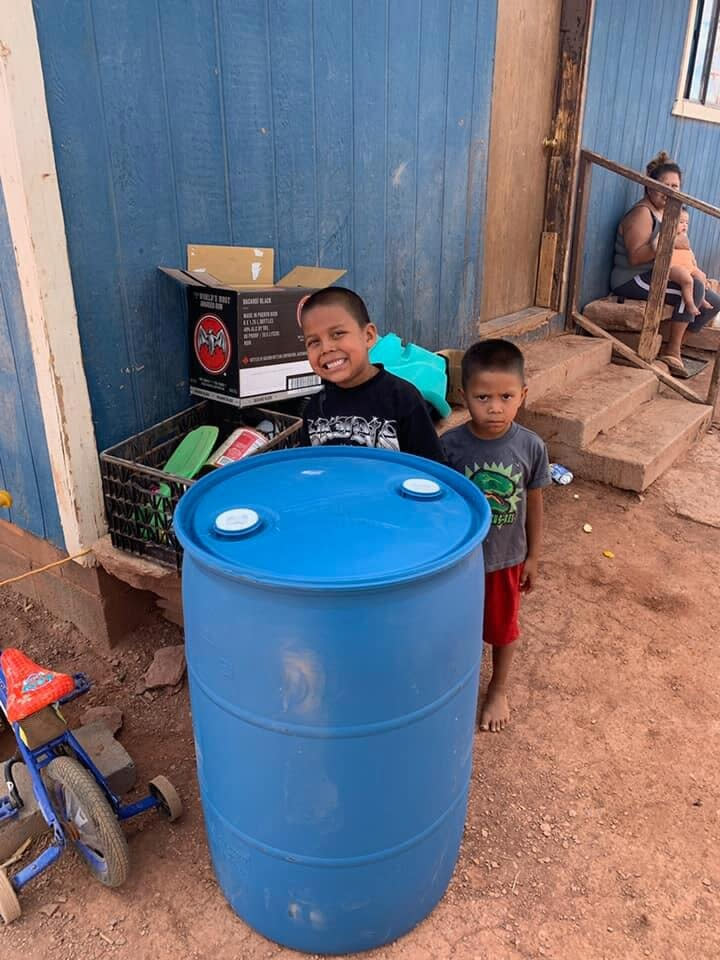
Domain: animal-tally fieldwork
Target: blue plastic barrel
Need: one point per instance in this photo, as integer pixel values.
(333, 616)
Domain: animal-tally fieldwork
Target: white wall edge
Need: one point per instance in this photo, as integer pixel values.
(696, 111)
(37, 227)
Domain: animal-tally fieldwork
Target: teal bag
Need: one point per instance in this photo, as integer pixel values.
(425, 370)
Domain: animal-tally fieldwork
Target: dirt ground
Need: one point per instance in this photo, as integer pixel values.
(594, 820)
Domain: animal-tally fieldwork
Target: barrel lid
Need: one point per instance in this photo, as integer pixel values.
(336, 517)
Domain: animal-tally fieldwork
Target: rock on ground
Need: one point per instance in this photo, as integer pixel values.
(110, 716)
(167, 668)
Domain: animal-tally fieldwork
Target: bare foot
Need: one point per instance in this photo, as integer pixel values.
(706, 305)
(691, 308)
(495, 713)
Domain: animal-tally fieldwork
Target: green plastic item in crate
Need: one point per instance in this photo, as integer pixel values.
(191, 455)
(187, 460)
(424, 369)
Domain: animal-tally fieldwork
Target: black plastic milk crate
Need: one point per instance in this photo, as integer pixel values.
(140, 512)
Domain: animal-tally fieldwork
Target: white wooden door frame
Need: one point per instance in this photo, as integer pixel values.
(37, 227)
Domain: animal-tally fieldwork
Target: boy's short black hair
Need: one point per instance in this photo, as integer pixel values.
(338, 297)
(500, 355)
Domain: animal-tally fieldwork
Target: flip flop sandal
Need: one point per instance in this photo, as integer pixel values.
(677, 368)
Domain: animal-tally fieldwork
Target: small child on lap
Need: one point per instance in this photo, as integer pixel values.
(510, 465)
(683, 266)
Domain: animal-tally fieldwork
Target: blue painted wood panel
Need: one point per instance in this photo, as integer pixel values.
(635, 62)
(345, 133)
(24, 461)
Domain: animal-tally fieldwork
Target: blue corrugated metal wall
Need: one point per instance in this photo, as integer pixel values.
(342, 133)
(24, 463)
(635, 65)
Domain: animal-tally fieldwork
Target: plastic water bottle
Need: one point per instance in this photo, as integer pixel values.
(560, 474)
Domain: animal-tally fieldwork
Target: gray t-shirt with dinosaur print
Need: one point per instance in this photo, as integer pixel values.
(504, 469)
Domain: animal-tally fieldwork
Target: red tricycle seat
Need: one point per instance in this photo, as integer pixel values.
(30, 687)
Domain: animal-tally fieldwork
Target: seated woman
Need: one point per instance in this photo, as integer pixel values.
(635, 249)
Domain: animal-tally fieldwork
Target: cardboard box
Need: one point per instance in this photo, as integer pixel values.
(454, 371)
(246, 345)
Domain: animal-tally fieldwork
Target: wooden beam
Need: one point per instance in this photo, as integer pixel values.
(644, 181)
(575, 22)
(714, 388)
(624, 351)
(579, 231)
(546, 269)
(659, 282)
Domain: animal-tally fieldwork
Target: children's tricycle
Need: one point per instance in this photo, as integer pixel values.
(73, 796)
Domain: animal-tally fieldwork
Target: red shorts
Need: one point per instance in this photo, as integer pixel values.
(502, 605)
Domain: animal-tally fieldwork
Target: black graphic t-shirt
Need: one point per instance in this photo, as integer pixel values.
(385, 412)
(504, 469)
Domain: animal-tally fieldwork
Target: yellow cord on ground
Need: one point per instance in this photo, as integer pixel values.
(48, 566)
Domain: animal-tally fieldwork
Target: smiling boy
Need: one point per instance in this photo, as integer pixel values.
(361, 404)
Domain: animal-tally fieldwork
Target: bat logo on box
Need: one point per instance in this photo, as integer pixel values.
(212, 344)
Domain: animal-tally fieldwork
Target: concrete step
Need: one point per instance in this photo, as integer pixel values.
(635, 453)
(552, 364)
(632, 340)
(595, 404)
(628, 317)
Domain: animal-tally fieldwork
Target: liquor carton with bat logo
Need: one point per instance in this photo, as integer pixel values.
(246, 346)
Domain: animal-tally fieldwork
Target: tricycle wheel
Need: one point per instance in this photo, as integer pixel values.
(89, 820)
(167, 796)
(9, 903)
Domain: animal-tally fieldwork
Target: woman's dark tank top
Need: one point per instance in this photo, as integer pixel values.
(623, 270)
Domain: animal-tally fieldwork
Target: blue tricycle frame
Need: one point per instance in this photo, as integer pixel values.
(68, 820)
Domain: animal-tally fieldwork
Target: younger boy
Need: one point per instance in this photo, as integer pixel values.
(361, 404)
(510, 465)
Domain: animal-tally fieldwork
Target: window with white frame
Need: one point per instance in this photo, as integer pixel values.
(699, 90)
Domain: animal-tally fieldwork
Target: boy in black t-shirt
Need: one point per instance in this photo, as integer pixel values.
(361, 404)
